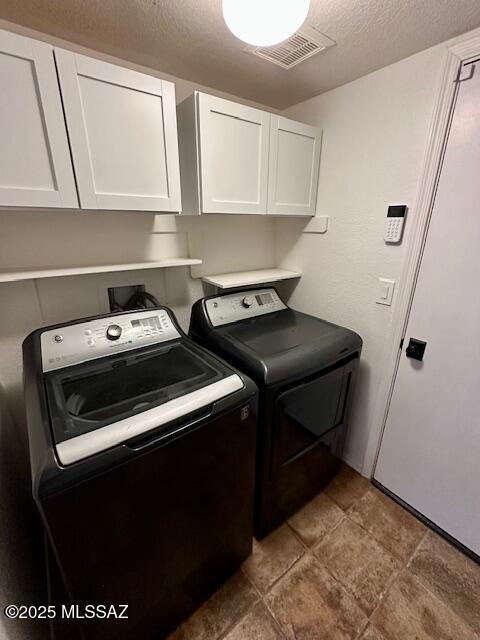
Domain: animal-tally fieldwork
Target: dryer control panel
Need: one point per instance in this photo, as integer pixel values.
(100, 337)
(243, 304)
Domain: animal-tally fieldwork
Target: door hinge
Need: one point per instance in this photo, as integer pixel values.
(401, 343)
(469, 69)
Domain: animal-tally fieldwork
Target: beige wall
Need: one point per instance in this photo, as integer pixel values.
(375, 133)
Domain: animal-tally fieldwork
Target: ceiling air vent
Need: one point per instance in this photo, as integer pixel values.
(302, 45)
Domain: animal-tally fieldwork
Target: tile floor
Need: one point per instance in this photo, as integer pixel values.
(351, 565)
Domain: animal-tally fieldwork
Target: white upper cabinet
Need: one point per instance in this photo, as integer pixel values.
(224, 156)
(293, 167)
(35, 164)
(123, 135)
(237, 159)
(234, 156)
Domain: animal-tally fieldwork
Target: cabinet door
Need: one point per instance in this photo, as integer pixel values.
(123, 133)
(233, 142)
(35, 165)
(293, 168)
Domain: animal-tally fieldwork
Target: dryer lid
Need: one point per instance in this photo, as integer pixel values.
(284, 345)
(281, 332)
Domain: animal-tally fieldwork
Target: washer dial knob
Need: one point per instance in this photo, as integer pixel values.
(247, 301)
(114, 331)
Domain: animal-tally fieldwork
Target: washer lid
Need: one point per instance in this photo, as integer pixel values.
(101, 403)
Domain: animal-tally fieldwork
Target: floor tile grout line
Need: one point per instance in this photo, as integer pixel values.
(405, 570)
(359, 636)
(297, 535)
(283, 573)
(432, 593)
(345, 482)
(258, 599)
(277, 580)
(272, 613)
(277, 624)
(306, 550)
(414, 552)
(234, 624)
(396, 577)
(327, 533)
(379, 599)
(402, 560)
(267, 593)
(310, 551)
(356, 500)
(250, 581)
(395, 574)
(338, 582)
(345, 516)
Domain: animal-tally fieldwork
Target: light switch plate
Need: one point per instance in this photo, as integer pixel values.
(386, 288)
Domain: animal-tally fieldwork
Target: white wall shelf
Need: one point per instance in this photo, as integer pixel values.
(32, 273)
(248, 278)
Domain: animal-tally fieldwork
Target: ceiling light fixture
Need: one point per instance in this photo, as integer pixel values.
(264, 23)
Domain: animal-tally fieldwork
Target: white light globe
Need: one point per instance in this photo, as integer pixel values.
(264, 23)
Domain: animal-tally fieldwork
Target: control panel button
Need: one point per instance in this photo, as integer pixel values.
(247, 301)
(114, 331)
(240, 305)
(71, 344)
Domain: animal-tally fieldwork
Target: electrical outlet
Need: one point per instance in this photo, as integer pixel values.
(119, 296)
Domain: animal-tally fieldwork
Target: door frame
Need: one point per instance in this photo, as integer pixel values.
(459, 51)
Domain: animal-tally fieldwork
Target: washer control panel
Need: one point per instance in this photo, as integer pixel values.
(84, 341)
(241, 305)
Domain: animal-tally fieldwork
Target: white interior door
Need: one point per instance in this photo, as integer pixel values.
(123, 133)
(293, 167)
(233, 156)
(35, 165)
(430, 451)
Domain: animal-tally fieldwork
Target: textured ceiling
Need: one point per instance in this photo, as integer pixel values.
(188, 39)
